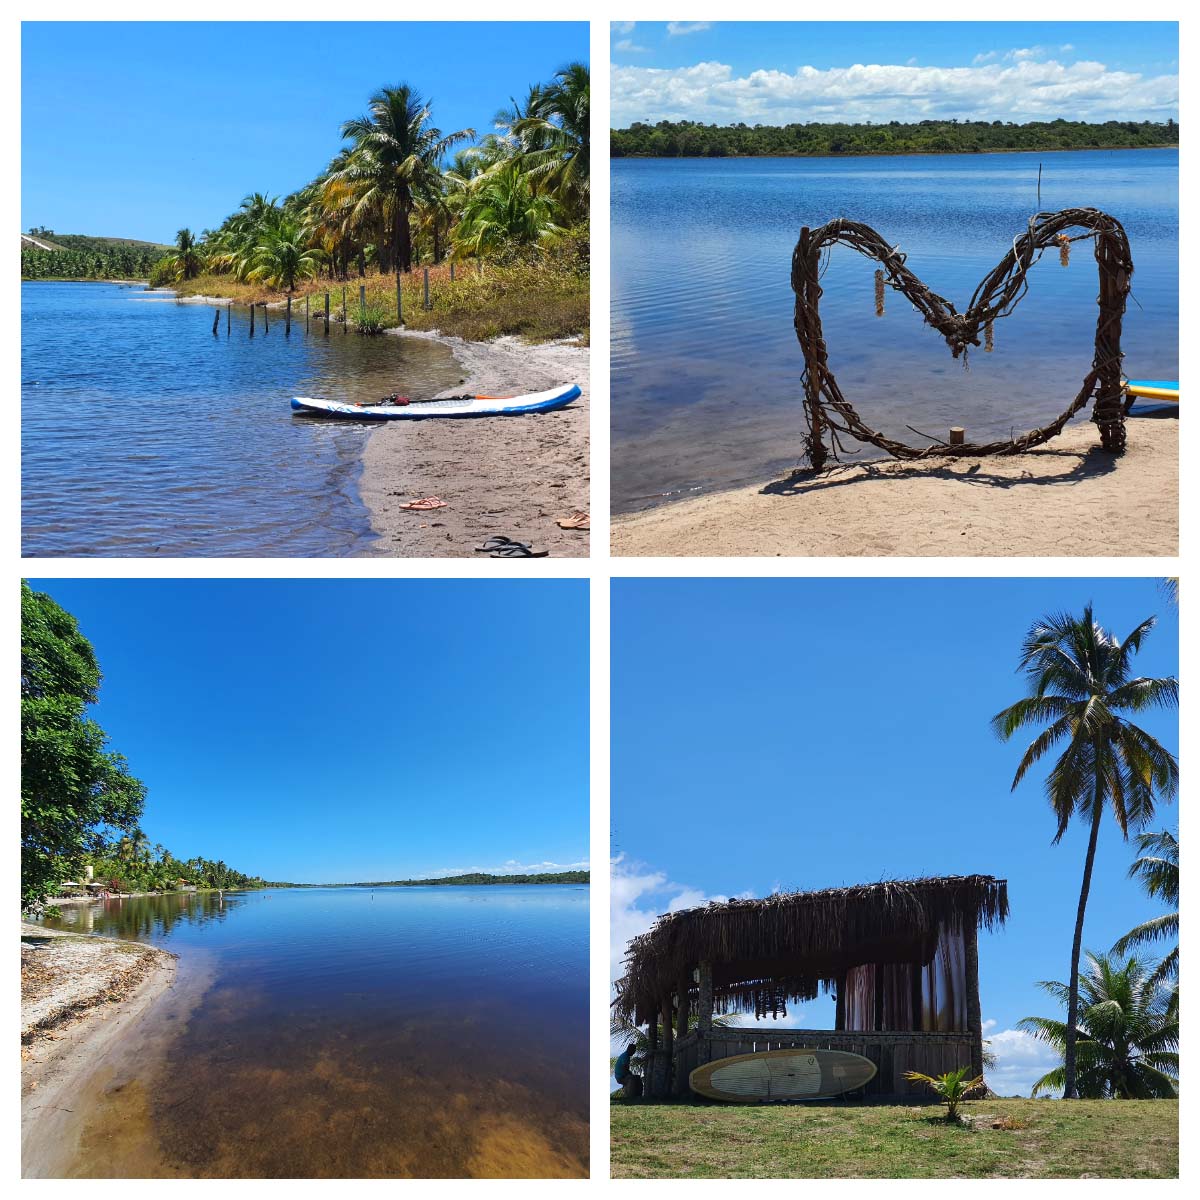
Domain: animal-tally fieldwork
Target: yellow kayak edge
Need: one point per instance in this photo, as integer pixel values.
(1168, 395)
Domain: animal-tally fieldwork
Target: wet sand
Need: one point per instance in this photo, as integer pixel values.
(514, 476)
(83, 1000)
(1067, 498)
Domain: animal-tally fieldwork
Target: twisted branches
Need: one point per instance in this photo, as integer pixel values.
(831, 415)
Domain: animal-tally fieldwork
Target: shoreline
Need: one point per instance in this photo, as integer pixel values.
(907, 153)
(514, 476)
(1064, 498)
(72, 1035)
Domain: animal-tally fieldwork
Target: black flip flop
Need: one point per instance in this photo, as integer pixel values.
(495, 543)
(518, 550)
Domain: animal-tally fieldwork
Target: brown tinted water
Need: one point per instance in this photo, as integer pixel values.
(348, 1033)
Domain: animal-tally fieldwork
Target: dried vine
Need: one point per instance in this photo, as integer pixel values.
(830, 414)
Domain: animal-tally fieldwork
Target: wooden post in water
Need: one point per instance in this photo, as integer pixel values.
(326, 314)
(344, 322)
(251, 320)
(287, 320)
(958, 435)
(228, 310)
(399, 302)
(362, 301)
(307, 317)
(428, 306)
(216, 321)
(266, 319)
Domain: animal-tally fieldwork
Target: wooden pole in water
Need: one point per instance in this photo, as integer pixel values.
(251, 320)
(362, 301)
(343, 308)
(326, 314)
(216, 321)
(307, 316)
(287, 320)
(266, 319)
(958, 435)
(428, 306)
(399, 302)
(228, 310)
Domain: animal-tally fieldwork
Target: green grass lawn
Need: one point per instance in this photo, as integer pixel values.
(1034, 1139)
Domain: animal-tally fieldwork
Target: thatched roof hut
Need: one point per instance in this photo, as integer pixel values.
(900, 956)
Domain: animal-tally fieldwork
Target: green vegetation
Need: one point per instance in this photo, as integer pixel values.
(77, 256)
(75, 792)
(474, 879)
(509, 214)
(1157, 869)
(1128, 1036)
(998, 1139)
(1080, 682)
(688, 139)
(131, 864)
(952, 1088)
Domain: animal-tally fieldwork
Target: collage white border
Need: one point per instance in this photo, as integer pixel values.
(599, 569)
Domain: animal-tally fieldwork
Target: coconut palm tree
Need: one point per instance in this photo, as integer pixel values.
(556, 137)
(1081, 683)
(283, 257)
(501, 207)
(1157, 869)
(186, 262)
(395, 152)
(1127, 1043)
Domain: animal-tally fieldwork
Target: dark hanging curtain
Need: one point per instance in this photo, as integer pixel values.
(907, 996)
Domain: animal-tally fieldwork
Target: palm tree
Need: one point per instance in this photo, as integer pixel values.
(395, 153)
(1157, 869)
(1128, 1037)
(500, 207)
(556, 137)
(283, 256)
(951, 1087)
(186, 262)
(1080, 683)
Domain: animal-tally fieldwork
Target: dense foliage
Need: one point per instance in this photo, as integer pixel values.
(131, 864)
(393, 197)
(475, 878)
(90, 258)
(75, 792)
(688, 139)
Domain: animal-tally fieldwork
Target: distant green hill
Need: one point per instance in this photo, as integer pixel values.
(49, 255)
(86, 241)
(476, 879)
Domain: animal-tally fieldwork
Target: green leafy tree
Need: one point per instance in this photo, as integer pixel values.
(1157, 869)
(951, 1087)
(75, 792)
(282, 257)
(1127, 1041)
(186, 262)
(555, 133)
(396, 151)
(1081, 682)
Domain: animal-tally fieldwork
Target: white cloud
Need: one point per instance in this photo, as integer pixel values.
(629, 46)
(624, 26)
(1021, 1060)
(509, 867)
(1018, 89)
(679, 28)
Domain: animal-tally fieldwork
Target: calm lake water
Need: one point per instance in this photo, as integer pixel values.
(145, 434)
(347, 1032)
(705, 364)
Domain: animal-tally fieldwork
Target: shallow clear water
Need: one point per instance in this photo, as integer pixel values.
(344, 1032)
(705, 364)
(145, 434)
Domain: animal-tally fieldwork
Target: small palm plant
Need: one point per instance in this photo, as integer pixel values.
(952, 1087)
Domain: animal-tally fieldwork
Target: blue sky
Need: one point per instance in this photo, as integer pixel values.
(136, 129)
(779, 72)
(336, 731)
(799, 734)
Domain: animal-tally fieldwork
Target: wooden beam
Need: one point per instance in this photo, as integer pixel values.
(839, 1020)
(974, 1013)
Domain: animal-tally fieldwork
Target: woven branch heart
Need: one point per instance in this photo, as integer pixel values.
(830, 413)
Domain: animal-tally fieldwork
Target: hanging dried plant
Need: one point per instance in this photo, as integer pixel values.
(879, 293)
(988, 337)
(1064, 250)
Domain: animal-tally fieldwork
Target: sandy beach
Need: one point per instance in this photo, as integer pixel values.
(1066, 498)
(81, 998)
(514, 476)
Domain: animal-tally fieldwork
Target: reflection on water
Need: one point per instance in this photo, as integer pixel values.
(348, 1032)
(705, 364)
(143, 433)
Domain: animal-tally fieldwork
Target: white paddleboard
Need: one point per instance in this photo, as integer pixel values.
(419, 410)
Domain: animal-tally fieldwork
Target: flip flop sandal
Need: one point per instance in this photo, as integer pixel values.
(424, 504)
(494, 543)
(577, 520)
(518, 550)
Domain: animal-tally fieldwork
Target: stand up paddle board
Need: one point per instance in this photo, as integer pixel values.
(782, 1075)
(454, 406)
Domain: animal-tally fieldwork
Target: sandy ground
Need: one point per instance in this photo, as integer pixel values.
(1067, 498)
(80, 997)
(513, 476)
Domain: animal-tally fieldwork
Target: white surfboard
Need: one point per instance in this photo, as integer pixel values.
(458, 406)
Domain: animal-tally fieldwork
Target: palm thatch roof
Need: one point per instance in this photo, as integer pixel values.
(787, 946)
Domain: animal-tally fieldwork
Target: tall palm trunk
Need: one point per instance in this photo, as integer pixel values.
(402, 235)
(1070, 1090)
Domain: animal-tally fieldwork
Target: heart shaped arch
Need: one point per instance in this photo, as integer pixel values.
(830, 413)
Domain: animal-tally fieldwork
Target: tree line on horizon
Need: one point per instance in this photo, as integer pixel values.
(693, 139)
(473, 879)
